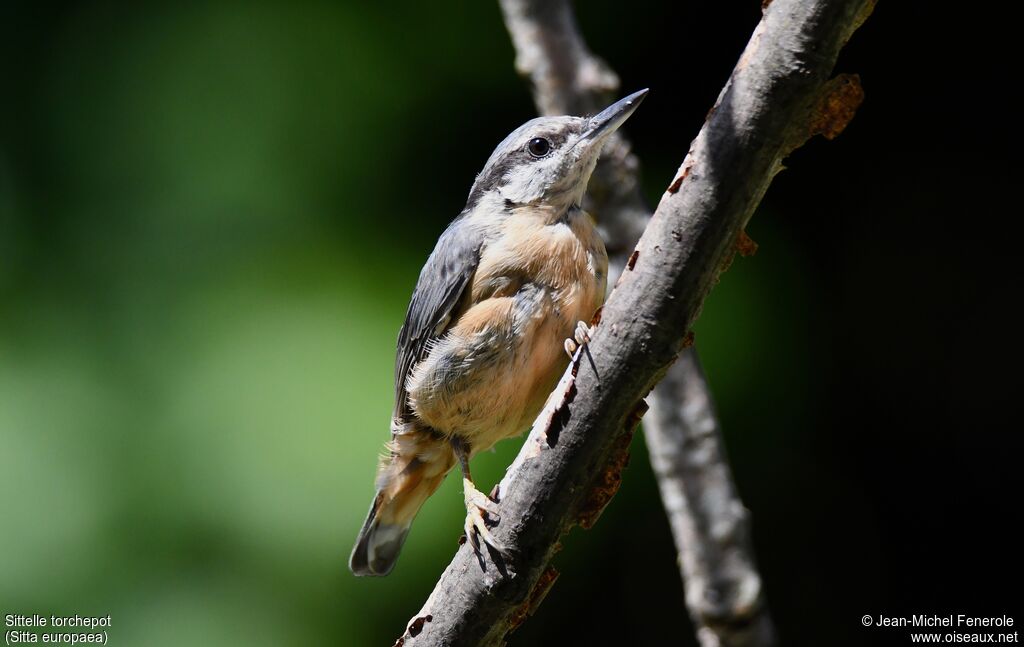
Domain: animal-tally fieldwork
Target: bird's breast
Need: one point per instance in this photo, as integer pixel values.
(564, 255)
(488, 378)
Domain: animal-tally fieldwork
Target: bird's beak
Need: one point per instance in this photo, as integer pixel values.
(608, 120)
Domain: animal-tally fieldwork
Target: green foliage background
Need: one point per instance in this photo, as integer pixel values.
(211, 218)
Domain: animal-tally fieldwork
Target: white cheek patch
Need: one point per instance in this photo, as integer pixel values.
(561, 177)
(528, 182)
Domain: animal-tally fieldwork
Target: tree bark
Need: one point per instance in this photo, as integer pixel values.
(710, 525)
(571, 462)
(723, 587)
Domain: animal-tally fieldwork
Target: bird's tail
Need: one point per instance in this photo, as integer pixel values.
(416, 465)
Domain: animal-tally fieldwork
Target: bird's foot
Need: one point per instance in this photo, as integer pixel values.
(581, 338)
(477, 503)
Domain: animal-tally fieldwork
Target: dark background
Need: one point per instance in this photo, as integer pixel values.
(212, 215)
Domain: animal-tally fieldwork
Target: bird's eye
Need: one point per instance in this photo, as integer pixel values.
(539, 147)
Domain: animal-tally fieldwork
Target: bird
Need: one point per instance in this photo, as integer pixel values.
(500, 300)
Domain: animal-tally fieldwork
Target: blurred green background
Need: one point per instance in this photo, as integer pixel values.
(211, 218)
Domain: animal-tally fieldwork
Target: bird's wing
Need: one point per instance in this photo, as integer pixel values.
(442, 282)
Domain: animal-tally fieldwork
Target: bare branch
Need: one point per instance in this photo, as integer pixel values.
(709, 523)
(723, 588)
(569, 467)
(567, 78)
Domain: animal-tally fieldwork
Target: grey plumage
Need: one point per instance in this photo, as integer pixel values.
(510, 153)
(482, 342)
(441, 284)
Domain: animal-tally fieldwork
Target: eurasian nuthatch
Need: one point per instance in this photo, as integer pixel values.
(493, 312)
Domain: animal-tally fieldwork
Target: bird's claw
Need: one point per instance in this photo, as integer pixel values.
(581, 337)
(477, 503)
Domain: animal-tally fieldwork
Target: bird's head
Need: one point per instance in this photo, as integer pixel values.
(548, 161)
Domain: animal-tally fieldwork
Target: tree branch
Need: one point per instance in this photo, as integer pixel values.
(684, 440)
(709, 523)
(570, 464)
